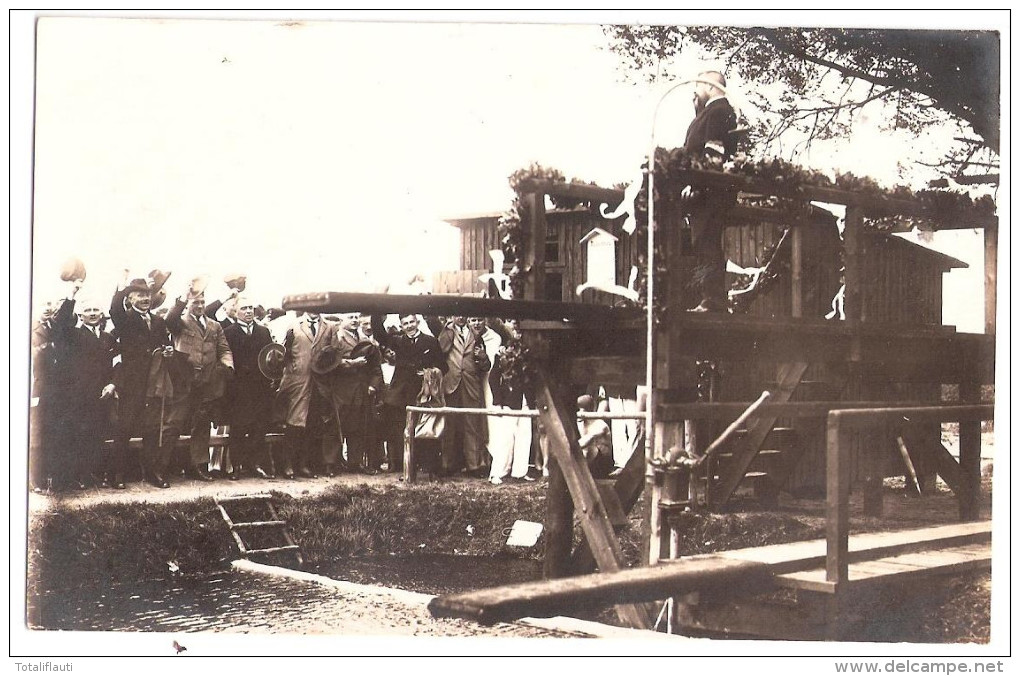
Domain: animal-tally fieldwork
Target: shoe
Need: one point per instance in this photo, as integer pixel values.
(119, 485)
(261, 473)
(199, 472)
(707, 306)
(234, 476)
(495, 481)
(370, 471)
(288, 474)
(307, 473)
(158, 481)
(330, 471)
(527, 479)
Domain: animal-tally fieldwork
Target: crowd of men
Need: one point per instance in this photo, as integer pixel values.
(338, 387)
(334, 390)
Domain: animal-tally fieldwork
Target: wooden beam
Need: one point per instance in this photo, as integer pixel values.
(970, 458)
(561, 433)
(588, 592)
(797, 273)
(789, 409)
(878, 206)
(628, 487)
(991, 274)
(581, 191)
(947, 467)
(468, 306)
(535, 230)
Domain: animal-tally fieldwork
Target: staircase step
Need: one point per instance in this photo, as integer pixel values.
(764, 452)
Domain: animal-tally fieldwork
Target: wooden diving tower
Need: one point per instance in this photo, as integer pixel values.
(584, 342)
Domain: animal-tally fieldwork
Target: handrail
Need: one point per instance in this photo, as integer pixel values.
(837, 469)
(410, 471)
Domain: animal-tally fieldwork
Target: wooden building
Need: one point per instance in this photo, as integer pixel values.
(904, 283)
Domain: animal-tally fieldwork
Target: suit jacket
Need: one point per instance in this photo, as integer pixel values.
(298, 381)
(87, 360)
(463, 362)
(202, 353)
(250, 394)
(136, 342)
(412, 355)
(710, 132)
(349, 384)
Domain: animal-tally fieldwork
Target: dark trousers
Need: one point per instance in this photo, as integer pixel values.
(708, 221)
(356, 423)
(248, 447)
(392, 420)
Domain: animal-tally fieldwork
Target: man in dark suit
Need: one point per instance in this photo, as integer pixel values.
(711, 134)
(144, 345)
(413, 350)
(87, 357)
(43, 416)
(249, 396)
(353, 386)
(201, 367)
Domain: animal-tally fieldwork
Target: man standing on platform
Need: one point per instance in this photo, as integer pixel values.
(711, 134)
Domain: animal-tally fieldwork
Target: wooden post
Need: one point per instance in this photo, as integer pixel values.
(837, 501)
(534, 247)
(559, 523)
(410, 471)
(797, 272)
(871, 447)
(991, 267)
(970, 457)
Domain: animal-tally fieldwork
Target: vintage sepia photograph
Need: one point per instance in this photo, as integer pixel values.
(439, 333)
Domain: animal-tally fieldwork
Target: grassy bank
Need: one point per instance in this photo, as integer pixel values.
(110, 543)
(113, 543)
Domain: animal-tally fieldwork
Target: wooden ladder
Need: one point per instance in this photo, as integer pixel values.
(272, 524)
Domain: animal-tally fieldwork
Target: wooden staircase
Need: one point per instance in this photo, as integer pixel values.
(257, 528)
(767, 471)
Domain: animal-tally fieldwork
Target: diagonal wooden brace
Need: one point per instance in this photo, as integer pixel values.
(561, 430)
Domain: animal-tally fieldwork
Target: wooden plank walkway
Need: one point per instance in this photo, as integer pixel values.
(883, 557)
(961, 559)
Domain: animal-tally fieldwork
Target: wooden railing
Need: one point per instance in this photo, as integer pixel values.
(837, 492)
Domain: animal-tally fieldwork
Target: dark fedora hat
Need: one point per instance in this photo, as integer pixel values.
(364, 348)
(326, 360)
(271, 359)
(138, 284)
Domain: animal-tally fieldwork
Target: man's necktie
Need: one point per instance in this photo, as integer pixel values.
(313, 325)
(148, 320)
